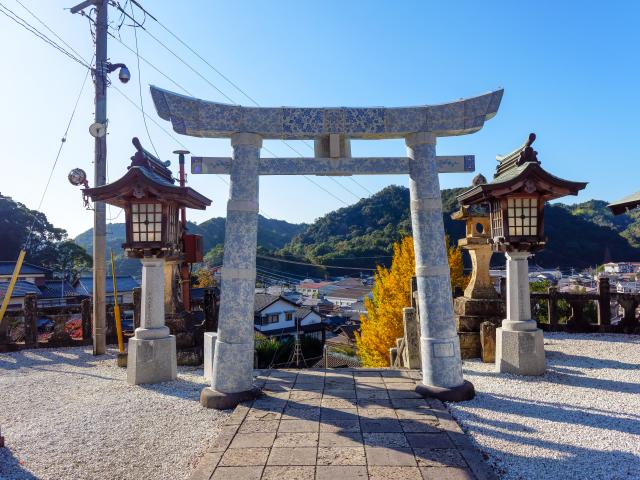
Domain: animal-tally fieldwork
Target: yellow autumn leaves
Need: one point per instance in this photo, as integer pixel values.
(391, 293)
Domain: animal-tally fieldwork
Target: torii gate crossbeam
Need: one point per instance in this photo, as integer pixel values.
(331, 129)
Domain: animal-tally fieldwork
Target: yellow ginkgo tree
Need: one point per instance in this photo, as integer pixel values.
(382, 325)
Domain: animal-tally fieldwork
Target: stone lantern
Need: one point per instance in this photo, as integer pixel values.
(154, 234)
(516, 197)
(480, 303)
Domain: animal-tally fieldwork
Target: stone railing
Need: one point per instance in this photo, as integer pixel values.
(548, 309)
(72, 325)
(579, 317)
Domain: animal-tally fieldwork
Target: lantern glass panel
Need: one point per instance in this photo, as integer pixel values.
(496, 219)
(523, 218)
(146, 222)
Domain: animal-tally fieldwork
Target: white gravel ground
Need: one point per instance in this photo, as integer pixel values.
(581, 420)
(68, 415)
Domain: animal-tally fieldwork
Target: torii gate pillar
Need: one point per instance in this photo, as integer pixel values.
(440, 346)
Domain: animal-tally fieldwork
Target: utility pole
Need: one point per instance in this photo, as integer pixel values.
(99, 131)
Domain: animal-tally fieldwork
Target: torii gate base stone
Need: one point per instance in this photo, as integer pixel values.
(331, 129)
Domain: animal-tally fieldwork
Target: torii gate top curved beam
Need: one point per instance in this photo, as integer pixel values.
(201, 118)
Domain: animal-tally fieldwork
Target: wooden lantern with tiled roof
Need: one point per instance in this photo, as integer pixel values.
(152, 202)
(516, 198)
(155, 235)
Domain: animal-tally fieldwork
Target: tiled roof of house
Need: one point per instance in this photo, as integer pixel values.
(20, 289)
(58, 289)
(7, 267)
(125, 283)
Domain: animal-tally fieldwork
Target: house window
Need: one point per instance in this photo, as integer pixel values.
(273, 318)
(496, 219)
(146, 222)
(288, 316)
(523, 216)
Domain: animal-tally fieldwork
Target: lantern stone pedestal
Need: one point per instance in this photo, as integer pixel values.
(519, 342)
(480, 302)
(152, 351)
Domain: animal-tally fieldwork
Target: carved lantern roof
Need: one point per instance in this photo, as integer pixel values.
(625, 204)
(520, 172)
(147, 177)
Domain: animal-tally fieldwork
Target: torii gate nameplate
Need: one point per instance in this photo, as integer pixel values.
(331, 129)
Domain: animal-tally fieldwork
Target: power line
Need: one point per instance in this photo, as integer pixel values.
(313, 264)
(144, 118)
(30, 28)
(220, 91)
(63, 140)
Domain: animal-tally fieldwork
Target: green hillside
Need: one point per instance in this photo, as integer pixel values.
(362, 235)
(577, 237)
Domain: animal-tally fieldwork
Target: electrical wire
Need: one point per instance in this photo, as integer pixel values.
(313, 264)
(30, 28)
(144, 118)
(63, 141)
(317, 184)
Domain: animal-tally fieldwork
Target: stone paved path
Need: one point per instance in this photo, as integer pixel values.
(341, 424)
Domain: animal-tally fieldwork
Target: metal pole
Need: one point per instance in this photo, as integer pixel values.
(100, 218)
(185, 275)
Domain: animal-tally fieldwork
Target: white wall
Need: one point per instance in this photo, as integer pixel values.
(280, 308)
(311, 319)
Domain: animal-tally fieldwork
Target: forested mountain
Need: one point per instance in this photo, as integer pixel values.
(46, 245)
(578, 236)
(272, 235)
(596, 211)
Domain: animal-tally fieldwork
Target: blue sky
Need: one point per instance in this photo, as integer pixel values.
(569, 70)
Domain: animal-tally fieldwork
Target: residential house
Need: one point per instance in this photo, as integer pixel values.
(125, 284)
(313, 289)
(275, 316)
(28, 272)
(49, 292)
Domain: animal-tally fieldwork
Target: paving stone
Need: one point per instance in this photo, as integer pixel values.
(329, 402)
(340, 439)
(402, 394)
(333, 472)
(366, 403)
(338, 414)
(237, 473)
(264, 415)
(419, 413)
(394, 473)
(380, 425)
(448, 457)
(382, 456)
(238, 457)
(292, 456)
(339, 393)
(259, 426)
(372, 394)
(288, 473)
(304, 402)
(224, 438)
(429, 440)
(446, 473)
(388, 413)
(341, 456)
(248, 440)
(296, 440)
(238, 415)
(304, 395)
(298, 426)
(206, 465)
(310, 413)
(409, 403)
(415, 425)
(340, 426)
(390, 440)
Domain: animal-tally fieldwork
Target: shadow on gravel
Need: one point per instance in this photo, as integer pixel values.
(10, 467)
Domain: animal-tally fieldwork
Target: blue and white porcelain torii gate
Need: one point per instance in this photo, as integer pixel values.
(331, 129)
